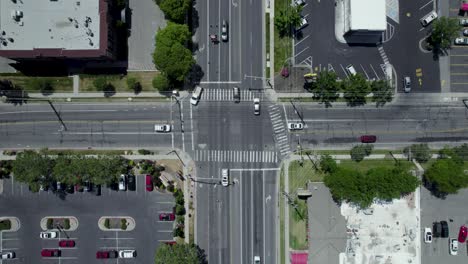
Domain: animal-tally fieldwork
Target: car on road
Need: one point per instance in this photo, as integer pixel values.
(256, 106)
(48, 234)
(106, 254)
(304, 23)
(236, 94)
(407, 84)
(127, 253)
(453, 246)
(162, 128)
(368, 139)
(298, 3)
(123, 182)
(427, 19)
(462, 234)
(437, 229)
(7, 255)
(166, 217)
(149, 183)
(427, 235)
(131, 182)
(295, 126)
(461, 41)
(224, 31)
(445, 229)
(257, 260)
(48, 253)
(225, 177)
(66, 243)
(464, 22)
(196, 95)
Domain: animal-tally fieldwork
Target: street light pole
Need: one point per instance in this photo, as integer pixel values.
(297, 111)
(58, 115)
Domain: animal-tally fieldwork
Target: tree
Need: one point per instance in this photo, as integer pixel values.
(359, 152)
(328, 164)
(30, 166)
(170, 55)
(444, 31)
(445, 176)
(326, 88)
(382, 92)
(62, 171)
(420, 152)
(161, 83)
(175, 10)
(355, 90)
(462, 151)
(287, 20)
(134, 84)
(180, 253)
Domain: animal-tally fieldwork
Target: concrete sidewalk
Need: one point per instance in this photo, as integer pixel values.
(102, 95)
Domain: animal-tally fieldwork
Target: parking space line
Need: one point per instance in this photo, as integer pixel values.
(301, 40)
(364, 72)
(378, 78)
(428, 3)
(301, 52)
(164, 231)
(344, 71)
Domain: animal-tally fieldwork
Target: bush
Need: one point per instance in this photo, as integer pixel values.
(161, 83)
(180, 209)
(462, 151)
(179, 197)
(45, 86)
(171, 187)
(358, 153)
(107, 223)
(328, 164)
(66, 224)
(180, 219)
(134, 85)
(5, 224)
(50, 223)
(100, 83)
(179, 232)
(123, 224)
(144, 152)
(419, 152)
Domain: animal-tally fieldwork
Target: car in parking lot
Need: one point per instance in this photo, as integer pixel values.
(66, 243)
(464, 22)
(462, 234)
(368, 139)
(48, 253)
(166, 217)
(225, 177)
(453, 246)
(87, 186)
(407, 84)
(97, 189)
(465, 32)
(256, 106)
(162, 128)
(350, 69)
(131, 182)
(427, 235)
(427, 19)
(106, 254)
(445, 230)
(461, 41)
(298, 3)
(224, 31)
(48, 234)
(304, 23)
(236, 93)
(7, 255)
(127, 253)
(149, 183)
(295, 126)
(437, 229)
(123, 182)
(170, 243)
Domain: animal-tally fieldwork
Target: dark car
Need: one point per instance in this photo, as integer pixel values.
(368, 139)
(166, 217)
(48, 253)
(236, 94)
(131, 182)
(445, 229)
(66, 243)
(149, 183)
(70, 189)
(106, 254)
(88, 186)
(78, 187)
(97, 189)
(436, 229)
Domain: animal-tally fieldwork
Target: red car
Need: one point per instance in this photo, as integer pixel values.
(149, 183)
(66, 243)
(368, 139)
(106, 254)
(462, 234)
(166, 217)
(170, 243)
(48, 253)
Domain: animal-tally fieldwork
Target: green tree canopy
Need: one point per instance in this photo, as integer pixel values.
(359, 152)
(175, 10)
(161, 83)
(355, 88)
(382, 91)
(30, 166)
(445, 176)
(419, 152)
(63, 171)
(326, 88)
(328, 164)
(180, 253)
(288, 19)
(444, 31)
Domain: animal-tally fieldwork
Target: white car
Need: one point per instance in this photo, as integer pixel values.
(427, 235)
(464, 22)
(256, 260)
(427, 19)
(123, 182)
(127, 253)
(461, 41)
(225, 177)
(298, 3)
(48, 234)
(256, 106)
(407, 84)
(224, 31)
(295, 126)
(303, 24)
(453, 246)
(196, 95)
(162, 128)
(7, 255)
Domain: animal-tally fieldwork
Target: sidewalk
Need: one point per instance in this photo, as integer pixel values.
(101, 95)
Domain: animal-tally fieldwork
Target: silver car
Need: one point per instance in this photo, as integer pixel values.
(7, 255)
(224, 31)
(162, 128)
(256, 106)
(225, 177)
(407, 84)
(295, 126)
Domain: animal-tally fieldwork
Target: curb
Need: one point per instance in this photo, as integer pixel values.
(15, 223)
(73, 222)
(131, 223)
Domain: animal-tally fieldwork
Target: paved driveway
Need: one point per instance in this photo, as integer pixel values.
(146, 18)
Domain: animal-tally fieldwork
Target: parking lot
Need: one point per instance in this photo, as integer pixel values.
(453, 210)
(144, 207)
(458, 55)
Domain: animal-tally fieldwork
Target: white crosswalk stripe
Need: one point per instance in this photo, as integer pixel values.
(281, 135)
(228, 95)
(236, 156)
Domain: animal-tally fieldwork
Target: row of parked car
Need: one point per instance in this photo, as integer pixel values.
(441, 229)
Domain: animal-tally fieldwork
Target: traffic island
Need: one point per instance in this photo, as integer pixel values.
(116, 223)
(68, 223)
(9, 224)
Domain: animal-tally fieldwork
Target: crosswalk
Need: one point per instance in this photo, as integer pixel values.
(240, 156)
(227, 95)
(281, 135)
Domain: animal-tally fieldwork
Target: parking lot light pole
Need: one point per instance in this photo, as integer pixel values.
(60, 229)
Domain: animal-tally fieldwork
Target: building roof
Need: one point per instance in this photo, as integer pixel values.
(367, 15)
(49, 24)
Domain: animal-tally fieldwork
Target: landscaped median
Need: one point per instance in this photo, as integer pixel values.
(116, 223)
(67, 223)
(9, 224)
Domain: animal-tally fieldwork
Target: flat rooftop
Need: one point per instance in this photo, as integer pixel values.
(49, 24)
(368, 15)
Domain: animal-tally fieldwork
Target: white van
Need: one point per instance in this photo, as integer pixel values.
(351, 70)
(427, 19)
(196, 95)
(225, 177)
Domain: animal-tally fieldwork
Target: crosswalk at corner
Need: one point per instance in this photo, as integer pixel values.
(241, 156)
(228, 95)
(281, 135)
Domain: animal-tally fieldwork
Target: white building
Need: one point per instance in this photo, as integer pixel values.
(365, 20)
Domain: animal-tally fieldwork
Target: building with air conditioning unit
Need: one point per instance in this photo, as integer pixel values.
(365, 20)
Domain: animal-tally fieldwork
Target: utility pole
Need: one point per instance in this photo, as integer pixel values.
(174, 94)
(299, 146)
(173, 151)
(297, 111)
(58, 115)
(465, 102)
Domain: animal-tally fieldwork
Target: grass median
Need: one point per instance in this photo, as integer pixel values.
(283, 45)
